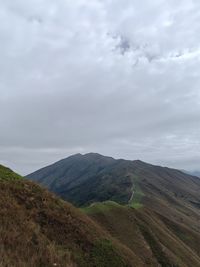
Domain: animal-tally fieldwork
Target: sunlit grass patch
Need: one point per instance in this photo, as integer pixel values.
(99, 207)
(136, 201)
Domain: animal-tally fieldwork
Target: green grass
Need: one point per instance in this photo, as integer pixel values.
(7, 175)
(106, 206)
(136, 205)
(100, 207)
(136, 201)
(104, 255)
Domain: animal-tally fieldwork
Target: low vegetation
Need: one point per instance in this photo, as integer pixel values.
(132, 214)
(38, 229)
(157, 240)
(99, 207)
(7, 174)
(137, 194)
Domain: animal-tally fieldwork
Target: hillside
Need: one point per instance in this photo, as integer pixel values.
(38, 229)
(84, 179)
(8, 174)
(157, 240)
(196, 173)
(152, 210)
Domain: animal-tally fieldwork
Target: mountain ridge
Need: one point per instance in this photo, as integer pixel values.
(162, 203)
(73, 175)
(147, 215)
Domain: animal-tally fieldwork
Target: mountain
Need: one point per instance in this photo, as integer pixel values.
(83, 179)
(39, 229)
(194, 173)
(89, 178)
(153, 211)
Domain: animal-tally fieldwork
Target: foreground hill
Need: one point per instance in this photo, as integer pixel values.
(154, 211)
(8, 174)
(38, 229)
(156, 239)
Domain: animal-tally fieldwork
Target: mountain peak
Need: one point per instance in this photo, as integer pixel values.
(93, 155)
(90, 155)
(92, 177)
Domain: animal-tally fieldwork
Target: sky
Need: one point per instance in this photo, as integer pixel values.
(120, 78)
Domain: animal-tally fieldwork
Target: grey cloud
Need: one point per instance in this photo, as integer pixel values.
(119, 78)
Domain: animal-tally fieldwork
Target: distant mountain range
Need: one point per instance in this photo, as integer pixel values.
(131, 214)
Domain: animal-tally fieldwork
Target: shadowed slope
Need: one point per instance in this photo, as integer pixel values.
(84, 179)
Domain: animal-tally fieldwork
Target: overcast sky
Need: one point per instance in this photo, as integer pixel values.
(121, 78)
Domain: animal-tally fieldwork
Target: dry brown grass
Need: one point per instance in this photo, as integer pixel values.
(37, 229)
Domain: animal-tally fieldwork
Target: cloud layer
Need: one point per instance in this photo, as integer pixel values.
(115, 77)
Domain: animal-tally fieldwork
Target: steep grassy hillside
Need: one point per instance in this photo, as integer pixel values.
(152, 210)
(38, 229)
(157, 240)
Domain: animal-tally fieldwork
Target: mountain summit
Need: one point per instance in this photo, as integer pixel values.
(89, 178)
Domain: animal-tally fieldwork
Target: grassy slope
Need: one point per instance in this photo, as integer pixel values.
(38, 229)
(8, 174)
(135, 200)
(163, 228)
(151, 236)
(85, 179)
